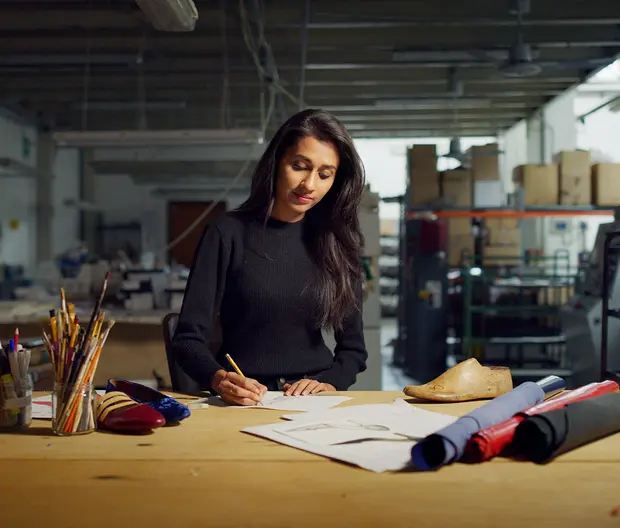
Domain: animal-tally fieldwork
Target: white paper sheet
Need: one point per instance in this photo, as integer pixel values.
(276, 400)
(42, 406)
(345, 412)
(392, 453)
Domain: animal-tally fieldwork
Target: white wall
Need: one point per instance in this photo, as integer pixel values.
(66, 186)
(561, 128)
(123, 201)
(514, 144)
(17, 195)
(599, 131)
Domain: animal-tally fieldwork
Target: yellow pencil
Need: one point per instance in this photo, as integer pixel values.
(234, 365)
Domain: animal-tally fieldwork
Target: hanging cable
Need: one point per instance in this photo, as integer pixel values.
(254, 47)
(227, 190)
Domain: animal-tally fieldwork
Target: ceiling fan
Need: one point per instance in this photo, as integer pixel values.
(519, 60)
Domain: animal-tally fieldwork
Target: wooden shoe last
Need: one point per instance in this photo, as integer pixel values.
(466, 381)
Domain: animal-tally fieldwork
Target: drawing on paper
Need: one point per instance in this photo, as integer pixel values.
(340, 425)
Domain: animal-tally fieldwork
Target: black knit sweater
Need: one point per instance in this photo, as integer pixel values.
(258, 277)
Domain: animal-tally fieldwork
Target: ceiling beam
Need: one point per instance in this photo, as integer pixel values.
(70, 39)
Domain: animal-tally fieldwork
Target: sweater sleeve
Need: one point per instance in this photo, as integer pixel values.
(350, 353)
(201, 304)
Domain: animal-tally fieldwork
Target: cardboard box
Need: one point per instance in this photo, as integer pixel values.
(606, 184)
(460, 246)
(459, 226)
(423, 177)
(423, 192)
(540, 183)
(485, 162)
(423, 157)
(456, 188)
(502, 232)
(574, 176)
(502, 255)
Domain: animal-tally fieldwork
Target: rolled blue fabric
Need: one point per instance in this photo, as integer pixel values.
(447, 445)
(552, 385)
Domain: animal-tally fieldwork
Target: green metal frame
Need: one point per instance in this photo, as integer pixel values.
(541, 272)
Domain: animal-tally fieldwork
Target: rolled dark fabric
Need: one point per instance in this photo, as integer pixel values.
(491, 441)
(543, 437)
(448, 444)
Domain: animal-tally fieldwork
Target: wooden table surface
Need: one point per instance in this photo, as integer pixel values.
(206, 473)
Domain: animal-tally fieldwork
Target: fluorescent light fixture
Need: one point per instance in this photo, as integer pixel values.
(432, 56)
(81, 205)
(156, 138)
(170, 15)
(422, 104)
(129, 105)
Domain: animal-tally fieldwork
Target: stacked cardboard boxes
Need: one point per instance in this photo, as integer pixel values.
(485, 162)
(571, 180)
(502, 242)
(456, 191)
(423, 184)
(574, 177)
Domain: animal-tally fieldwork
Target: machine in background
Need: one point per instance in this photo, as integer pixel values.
(582, 317)
(423, 299)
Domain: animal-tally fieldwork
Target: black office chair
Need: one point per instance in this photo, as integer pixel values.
(181, 382)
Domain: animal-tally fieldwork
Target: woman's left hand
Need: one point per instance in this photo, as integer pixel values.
(304, 387)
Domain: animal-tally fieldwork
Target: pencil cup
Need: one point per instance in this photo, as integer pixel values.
(15, 403)
(73, 409)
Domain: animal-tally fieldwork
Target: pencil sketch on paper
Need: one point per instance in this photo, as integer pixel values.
(339, 431)
(340, 425)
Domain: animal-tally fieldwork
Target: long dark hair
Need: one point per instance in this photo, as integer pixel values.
(335, 237)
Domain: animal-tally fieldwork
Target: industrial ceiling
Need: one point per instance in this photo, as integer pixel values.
(386, 68)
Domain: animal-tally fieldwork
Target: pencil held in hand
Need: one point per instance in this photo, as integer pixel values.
(234, 365)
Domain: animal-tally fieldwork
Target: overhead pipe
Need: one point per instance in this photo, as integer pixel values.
(462, 22)
(582, 117)
(304, 55)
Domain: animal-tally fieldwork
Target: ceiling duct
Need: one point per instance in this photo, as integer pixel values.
(155, 138)
(170, 15)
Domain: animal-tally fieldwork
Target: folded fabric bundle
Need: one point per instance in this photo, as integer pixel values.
(542, 437)
(491, 441)
(448, 444)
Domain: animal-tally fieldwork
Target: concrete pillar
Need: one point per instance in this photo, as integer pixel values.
(46, 151)
(88, 219)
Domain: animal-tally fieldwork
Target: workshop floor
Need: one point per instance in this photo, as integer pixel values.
(393, 378)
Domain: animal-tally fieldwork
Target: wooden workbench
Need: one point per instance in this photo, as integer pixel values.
(206, 473)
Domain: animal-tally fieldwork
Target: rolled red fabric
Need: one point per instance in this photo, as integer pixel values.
(491, 441)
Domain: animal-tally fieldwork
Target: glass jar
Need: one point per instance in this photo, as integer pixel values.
(15, 403)
(74, 409)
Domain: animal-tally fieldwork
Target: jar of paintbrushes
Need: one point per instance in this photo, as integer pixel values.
(15, 386)
(75, 353)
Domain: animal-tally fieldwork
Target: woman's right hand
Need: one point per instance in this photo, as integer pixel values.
(236, 389)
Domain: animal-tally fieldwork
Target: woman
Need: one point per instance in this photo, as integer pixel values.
(281, 268)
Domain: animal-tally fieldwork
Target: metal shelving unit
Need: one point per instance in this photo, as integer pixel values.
(517, 309)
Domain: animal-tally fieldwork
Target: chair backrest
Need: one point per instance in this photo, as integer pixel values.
(181, 382)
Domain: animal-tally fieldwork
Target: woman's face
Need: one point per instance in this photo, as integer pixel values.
(306, 174)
